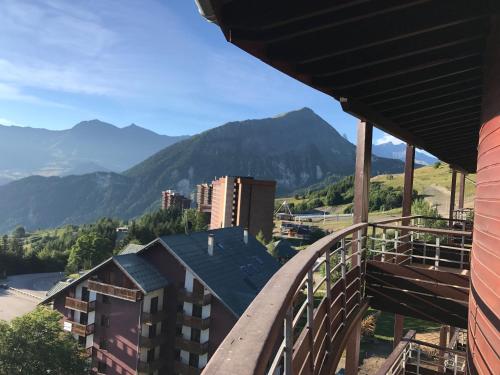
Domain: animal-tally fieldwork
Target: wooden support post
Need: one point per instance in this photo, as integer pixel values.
(360, 215)
(407, 201)
(452, 193)
(443, 342)
(461, 194)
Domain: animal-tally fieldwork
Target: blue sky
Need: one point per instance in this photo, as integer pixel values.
(158, 64)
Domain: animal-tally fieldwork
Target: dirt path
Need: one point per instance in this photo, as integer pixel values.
(440, 197)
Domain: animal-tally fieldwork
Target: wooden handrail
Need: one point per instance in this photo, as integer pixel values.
(248, 348)
(396, 353)
(438, 231)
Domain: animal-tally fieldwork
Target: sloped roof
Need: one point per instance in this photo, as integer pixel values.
(142, 273)
(235, 273)
(56, 288)
(131, 248)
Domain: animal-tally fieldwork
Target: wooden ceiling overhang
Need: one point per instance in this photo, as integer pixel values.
(414, 68)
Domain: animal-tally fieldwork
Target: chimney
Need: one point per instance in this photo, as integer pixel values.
(211, 240)
(245, 236)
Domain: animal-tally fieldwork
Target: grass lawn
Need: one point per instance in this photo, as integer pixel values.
(385, 325)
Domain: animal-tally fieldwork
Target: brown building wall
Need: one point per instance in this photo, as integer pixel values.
(122, 335)
(221, 323)
(222, 202)
(256, 206)
(484, 300)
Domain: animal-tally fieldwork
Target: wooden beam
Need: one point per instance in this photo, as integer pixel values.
(362, 176)
(452, 192)
(362, 173)
(460, 119)
(473, 105)
(461, 194)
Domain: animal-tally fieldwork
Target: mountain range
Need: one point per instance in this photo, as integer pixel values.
(297, 149)
(89, 146)
(398, 151)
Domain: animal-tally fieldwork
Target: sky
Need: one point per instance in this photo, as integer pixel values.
(157, 64)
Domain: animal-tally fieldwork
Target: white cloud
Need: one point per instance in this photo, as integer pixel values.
(388, 138)
(12, 93)
(8, 122)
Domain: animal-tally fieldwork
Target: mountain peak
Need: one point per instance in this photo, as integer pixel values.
(306, 111)
(93, 124)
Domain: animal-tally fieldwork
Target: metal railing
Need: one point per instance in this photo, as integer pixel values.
(420, 242)
(302, 317)
(415, 357)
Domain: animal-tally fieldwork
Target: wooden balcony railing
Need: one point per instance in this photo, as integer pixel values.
(196, 298)
(191, 346)
(82, 329)
(79, 305)
(133, 295)
(151, 342)
(393, 242)
(149, 367)
(409, 357)
(302, 318)
(185, 369)
(153, 318)
(193, 321)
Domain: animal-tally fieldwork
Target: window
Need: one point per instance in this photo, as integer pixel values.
(105, 299)
(152, 331)
(85, 294)
(197, 310)
(178, 330)
(151, 355)
(82, 340)
(154, 305)
(177, 355)
(84, 318)
(103, 344)
(105, 321)
(195, 334)
(194, 360)
(102, 367)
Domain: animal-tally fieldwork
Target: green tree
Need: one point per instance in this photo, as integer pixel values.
(89, 250)
(19, 232)
(35, 344)
(260, 237)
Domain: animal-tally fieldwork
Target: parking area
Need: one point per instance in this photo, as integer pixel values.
(24, 293)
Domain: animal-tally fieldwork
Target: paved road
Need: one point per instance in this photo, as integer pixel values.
(14, 304)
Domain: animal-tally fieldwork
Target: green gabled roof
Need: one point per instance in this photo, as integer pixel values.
(142, 273)
(235, 273)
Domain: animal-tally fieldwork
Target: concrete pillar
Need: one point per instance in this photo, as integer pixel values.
(360, 215)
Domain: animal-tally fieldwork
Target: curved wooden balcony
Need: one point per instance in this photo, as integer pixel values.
(302, 318)
(79, 329)
(153, 318)
(185, 369)
(151, 342)
(191, 346)
(145, 367)
(195, 298)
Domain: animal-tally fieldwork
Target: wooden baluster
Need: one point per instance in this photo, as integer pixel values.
(328, 285)
(383, 244)
(343, 273)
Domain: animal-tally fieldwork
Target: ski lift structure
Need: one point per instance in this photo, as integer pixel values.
(284, 212)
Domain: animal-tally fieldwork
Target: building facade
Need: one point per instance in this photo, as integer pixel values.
(204, 197)
(164, 308)
(245, 202)
(170, 198)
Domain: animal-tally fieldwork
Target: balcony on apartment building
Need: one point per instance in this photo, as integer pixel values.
(101, 287)
(186, 369)
(193, 321)
(191, 346)
(79, 329)
(152, 342)
(149, 367)
(151, 318)
(195, 297)
(79, 305)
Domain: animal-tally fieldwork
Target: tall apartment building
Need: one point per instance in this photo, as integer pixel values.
(164, 308)
(204, 197)
(245, 202)
(171, 198)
